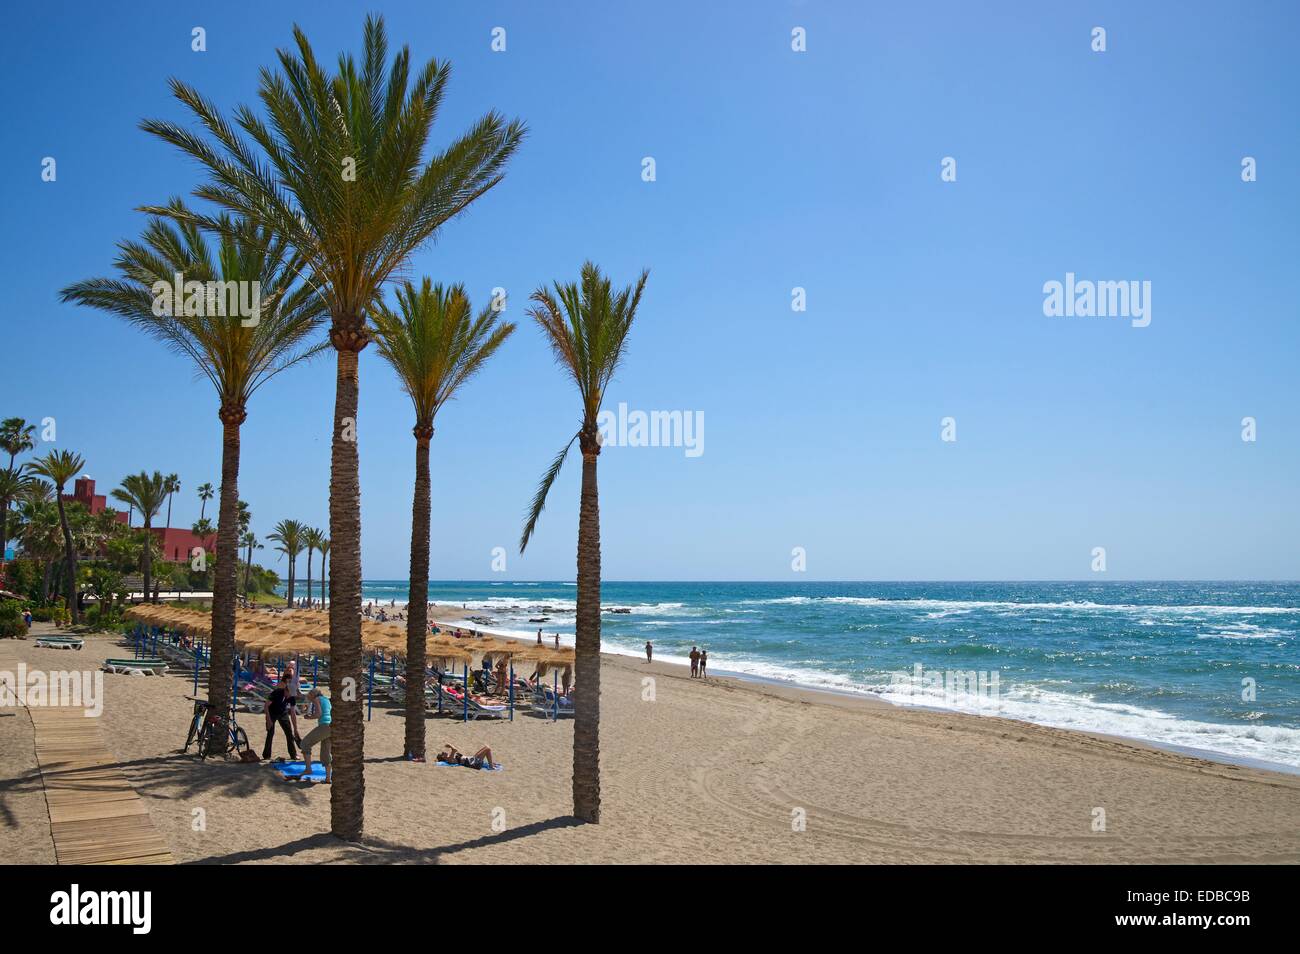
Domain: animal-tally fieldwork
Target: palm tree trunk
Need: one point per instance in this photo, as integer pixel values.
(417, 605)
(146, 563)
(169, 511)
(309, 577)
(220, 675)
(347, 794)
(45, 580)
(70, 561)
(586, 669)
(248, 566)
(322, 578)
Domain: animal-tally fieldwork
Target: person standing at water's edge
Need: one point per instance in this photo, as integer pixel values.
(695, 661)
(649, 651)
(704, 661)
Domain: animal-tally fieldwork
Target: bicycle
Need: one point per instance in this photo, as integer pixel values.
(205, 723)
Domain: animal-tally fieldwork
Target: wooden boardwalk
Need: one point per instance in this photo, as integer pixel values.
(96, 817)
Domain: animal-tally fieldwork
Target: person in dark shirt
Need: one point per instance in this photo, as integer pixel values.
(277, 710)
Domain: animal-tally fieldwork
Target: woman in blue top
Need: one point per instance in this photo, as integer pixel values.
(319, 706)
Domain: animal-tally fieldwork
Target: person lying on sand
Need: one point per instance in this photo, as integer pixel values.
(482, 759)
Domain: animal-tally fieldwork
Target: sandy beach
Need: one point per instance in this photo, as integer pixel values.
(716, 770)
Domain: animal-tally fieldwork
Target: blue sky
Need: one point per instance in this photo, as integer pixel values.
(775, 169)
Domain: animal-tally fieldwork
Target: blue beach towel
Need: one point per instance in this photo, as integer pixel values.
(286, 769)
(499, 767)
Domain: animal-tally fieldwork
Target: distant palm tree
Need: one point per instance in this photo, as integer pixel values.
(205, 494)
(249, 540)
(145, 492)
(59, 467)
(237, 354)
(586, 324)
(173, 485)
(342, 174)
(324, 548)
(435, 344)
(16, 437)
(39, 529)
(203, 529)
(289, 534)
(12, 484)
(311, 538)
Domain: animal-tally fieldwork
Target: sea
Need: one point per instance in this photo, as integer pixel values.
(1208, 668)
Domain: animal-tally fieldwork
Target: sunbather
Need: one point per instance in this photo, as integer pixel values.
(482, 759)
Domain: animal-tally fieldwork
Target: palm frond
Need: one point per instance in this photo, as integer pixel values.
(539, 497)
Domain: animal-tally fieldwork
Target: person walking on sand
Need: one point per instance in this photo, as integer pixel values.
(695, 662)
(649, 651)
(539, 637)
(318, 704)
(704, 661)
(277, 708)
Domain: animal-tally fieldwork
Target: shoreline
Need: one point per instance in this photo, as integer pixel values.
(876, 782)
(826, 696)
(452, 617)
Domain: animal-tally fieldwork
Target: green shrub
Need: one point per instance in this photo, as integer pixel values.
(11, 620)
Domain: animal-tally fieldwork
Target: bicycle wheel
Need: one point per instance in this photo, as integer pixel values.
(204, 733)
(196, 726)
(239, 738)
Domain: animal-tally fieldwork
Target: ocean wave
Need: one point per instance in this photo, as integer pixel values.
(1246, 631)
(1065, 710)
(1087, 605)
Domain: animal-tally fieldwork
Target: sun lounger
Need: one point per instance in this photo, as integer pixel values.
(545, 702)
(136, 667)
(60, 642)
(479, 710)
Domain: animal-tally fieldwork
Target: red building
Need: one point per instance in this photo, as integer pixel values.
(177, 544)
(83, 492)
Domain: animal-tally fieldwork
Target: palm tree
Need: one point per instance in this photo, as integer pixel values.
(39, 529)
(236, 355)
(59, 467)
(173, 485)
(324, 548)
(341, 174)
(248, 540)
(289, 534)
(435, 344)
(16, 437)
(586, 324)
(203, 529)
(12, 483)
(146, 493)
(205, 494)
(311, 538)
